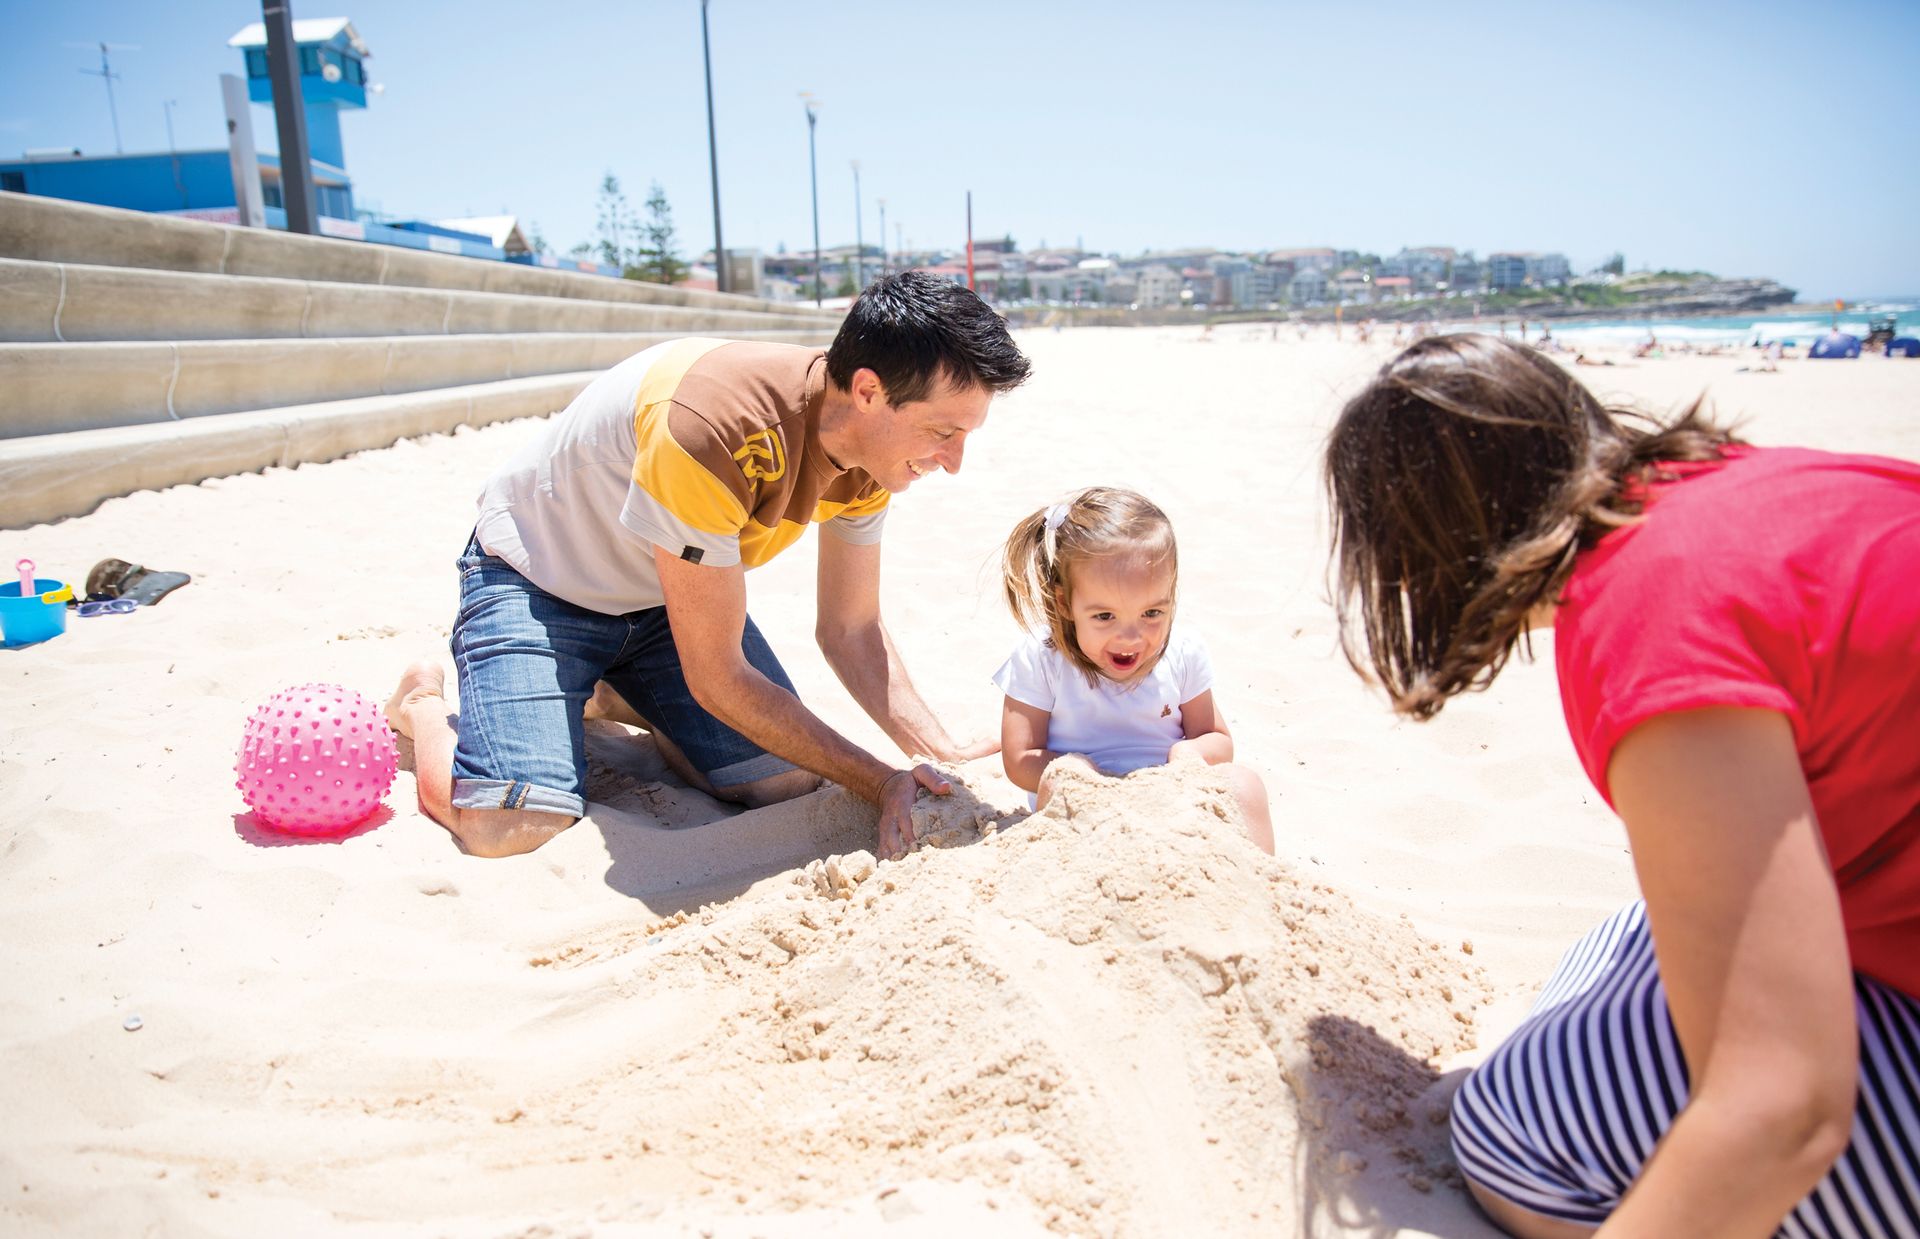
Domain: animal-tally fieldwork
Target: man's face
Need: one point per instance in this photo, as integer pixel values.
(905, 442)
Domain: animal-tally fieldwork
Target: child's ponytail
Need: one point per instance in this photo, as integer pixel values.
(1032, 586)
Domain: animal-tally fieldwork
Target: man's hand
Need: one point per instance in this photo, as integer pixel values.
(897, 795)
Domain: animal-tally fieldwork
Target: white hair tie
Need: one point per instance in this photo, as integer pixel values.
(1057, 515)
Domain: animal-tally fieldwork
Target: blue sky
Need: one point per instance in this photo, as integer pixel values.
(1750, 139)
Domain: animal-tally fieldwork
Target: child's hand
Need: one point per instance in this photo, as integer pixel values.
(1066, 764)
(1186, 750)
(1070, 761)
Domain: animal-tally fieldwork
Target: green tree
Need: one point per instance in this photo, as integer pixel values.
(846, 288)
(536, 240)
(617, 227)
(657, 258)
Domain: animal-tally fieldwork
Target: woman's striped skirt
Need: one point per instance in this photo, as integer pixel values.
(1560, 1118)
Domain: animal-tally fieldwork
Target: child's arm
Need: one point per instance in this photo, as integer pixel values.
(1206, 732)
(1023, 743)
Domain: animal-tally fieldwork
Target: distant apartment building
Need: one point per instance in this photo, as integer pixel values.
(1352, 286)
(1267, 285)
(1156, 286)
(1550, 269)
(1526, 269)
(1319, 259)
(1506, 271)
(1425, 267)
(1466, 273)
(1232, 281)
(1308, 286)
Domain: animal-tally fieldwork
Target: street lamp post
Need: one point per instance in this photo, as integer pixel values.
(720, 274)
(173, 154)
(290, 118)
(884, 263)
(813, 173)
(859, 244)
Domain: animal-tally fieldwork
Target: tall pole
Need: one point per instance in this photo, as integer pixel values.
(173, 155)
(722, 277)
(105, 72)
(969, 240)
(859, 244)
(290, 118)
(885, 265)
(813, 172)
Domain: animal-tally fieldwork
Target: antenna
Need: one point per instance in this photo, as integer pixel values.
(106, 73)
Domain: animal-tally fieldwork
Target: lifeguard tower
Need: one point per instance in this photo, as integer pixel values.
(333, 79)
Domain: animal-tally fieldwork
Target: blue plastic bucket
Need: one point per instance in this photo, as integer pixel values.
(24, 621)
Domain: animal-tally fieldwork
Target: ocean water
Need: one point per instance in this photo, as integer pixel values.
(1801, 325)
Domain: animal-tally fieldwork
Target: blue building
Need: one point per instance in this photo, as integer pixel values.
(333, 80)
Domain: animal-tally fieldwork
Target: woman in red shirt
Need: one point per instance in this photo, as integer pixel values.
(1738, 650)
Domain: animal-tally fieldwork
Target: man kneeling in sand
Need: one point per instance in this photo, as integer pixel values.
(614, 547)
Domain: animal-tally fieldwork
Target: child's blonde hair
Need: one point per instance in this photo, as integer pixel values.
(1100, 522)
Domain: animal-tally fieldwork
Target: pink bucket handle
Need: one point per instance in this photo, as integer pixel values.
(25, 569)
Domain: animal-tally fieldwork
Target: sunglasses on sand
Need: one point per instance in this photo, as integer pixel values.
(107, 606)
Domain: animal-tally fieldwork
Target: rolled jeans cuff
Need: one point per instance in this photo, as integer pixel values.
(752, 770)
(509, 794)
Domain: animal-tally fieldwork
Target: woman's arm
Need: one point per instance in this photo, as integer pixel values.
(1746, 926)
(1206, 732)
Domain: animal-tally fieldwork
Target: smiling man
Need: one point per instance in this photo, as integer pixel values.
(612, 552)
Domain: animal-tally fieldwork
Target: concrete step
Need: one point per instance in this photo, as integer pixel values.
(50, 477)
(55, 230)
(43, 301)
(54, 388)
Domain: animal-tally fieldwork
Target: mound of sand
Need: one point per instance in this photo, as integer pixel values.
(1117, 1017)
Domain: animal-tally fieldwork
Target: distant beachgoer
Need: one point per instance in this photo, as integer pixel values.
(1581, 359)
(607, 569)
(1771, 357)
(1735, 634)
(1649, 347)
(1109, 684)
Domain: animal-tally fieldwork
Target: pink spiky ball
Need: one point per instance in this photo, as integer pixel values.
(315, 758)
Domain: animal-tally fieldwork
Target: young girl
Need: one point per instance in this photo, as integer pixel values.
(1109, 685)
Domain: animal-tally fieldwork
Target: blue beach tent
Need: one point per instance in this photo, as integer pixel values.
(1836, 344)
(1903, 346)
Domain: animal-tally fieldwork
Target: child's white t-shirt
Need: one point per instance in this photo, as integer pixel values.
(1121, 729)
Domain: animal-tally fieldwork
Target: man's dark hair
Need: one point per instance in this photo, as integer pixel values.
(914, 329)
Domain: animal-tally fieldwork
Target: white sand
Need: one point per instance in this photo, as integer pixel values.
(1116, 1018)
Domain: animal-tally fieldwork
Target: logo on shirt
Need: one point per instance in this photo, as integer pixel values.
(763, 458)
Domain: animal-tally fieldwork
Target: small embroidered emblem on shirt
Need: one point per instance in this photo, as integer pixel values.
(692, 554)
(763, 457)
(1165, 711)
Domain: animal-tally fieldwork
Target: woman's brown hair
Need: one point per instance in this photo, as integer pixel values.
(1101, 522)
(1464, 480)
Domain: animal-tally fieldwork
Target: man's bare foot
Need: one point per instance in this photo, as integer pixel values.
(419, 682)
